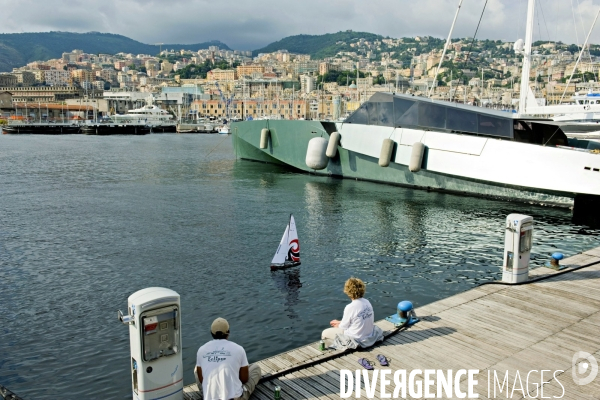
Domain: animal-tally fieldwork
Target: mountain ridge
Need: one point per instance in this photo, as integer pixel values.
(317, 46)
(18, 49)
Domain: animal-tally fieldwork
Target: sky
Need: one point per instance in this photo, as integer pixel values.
(252, 24)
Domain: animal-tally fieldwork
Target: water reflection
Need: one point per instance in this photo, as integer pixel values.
(288, 282)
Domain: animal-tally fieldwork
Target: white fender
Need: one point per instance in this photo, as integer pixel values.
(416, 157)
(386, 152)
(334, 139)
(315, 153)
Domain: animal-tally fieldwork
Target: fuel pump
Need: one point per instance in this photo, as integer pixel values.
(517, 248)
(154, 321)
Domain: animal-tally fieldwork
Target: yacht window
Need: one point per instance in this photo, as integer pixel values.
(405, 112)
(494, 126)
(360, 116)
(373, 116)
(460, 120)
(386, 113)
(432, 115)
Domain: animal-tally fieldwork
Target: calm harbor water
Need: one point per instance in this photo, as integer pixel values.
(85, 221)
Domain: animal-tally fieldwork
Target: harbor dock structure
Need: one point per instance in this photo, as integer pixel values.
(516, 336)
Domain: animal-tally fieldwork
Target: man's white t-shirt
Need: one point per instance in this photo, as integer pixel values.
(221, 361)
(358, 320)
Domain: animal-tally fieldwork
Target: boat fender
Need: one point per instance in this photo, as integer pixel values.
(416, 157)
(264, 138)
(315, 153)
(334, 139)
(386, 152)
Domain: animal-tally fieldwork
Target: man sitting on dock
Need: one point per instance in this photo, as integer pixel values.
(222, 367)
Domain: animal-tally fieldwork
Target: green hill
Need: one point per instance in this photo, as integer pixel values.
(318, 46)
(18, 49)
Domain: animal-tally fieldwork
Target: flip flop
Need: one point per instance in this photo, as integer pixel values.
(365, 363)
(383, 360)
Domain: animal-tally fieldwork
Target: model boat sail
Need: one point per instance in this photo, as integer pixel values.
(288, 252)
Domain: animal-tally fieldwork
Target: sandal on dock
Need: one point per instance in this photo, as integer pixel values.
(365, 363)
(383, 360)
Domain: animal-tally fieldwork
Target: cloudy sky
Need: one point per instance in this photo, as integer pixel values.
(251, 24)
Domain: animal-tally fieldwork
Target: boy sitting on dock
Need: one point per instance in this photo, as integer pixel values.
(357, 327)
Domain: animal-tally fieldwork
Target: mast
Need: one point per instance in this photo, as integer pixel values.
(437, 70)
(526, 58)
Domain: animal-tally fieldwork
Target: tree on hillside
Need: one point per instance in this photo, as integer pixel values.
(341, 77)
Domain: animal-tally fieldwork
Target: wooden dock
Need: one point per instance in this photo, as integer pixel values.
(491, 328)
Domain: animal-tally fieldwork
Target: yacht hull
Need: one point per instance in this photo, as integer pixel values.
(446, 167)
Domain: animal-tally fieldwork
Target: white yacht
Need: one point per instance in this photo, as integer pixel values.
(149, 115)
(584, 124)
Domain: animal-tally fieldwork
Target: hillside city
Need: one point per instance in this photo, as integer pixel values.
(232, 84)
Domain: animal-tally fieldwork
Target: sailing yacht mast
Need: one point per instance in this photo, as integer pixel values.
(525, 90)
(526, 58)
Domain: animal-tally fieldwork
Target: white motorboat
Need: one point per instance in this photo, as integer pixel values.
(150, 115)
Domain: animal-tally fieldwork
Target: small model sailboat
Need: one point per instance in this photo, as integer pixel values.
(288, 252)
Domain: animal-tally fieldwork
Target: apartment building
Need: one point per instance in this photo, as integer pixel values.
(166, 67)
(222, 75)
(243, 70)
(8, 80)
(24, 78)
(119, 65)
(82, 75)
(325, 67)
(57, 77)
(109, 75)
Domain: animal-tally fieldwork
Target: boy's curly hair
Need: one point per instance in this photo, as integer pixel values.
(354, 288)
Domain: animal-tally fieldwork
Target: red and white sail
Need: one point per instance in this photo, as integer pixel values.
(288, 252)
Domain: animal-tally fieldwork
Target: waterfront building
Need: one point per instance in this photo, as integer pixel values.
(50, 94)
(119, 102)
(6, 101)
(255, 108)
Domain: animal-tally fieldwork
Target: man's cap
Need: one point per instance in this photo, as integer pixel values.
(219, 325)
